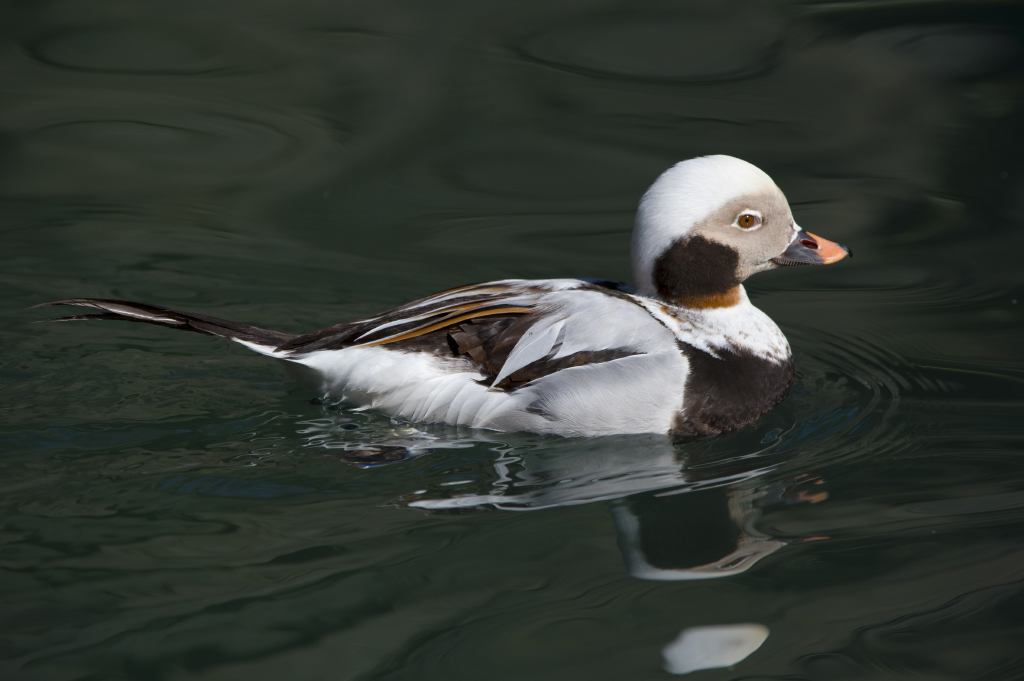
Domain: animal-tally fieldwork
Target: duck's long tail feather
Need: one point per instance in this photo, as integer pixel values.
(124, 310)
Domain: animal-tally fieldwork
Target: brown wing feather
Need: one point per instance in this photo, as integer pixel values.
(418, 317)
(446, 321)
(488, 343)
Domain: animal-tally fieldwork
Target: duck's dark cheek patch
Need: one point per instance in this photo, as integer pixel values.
(694, 268)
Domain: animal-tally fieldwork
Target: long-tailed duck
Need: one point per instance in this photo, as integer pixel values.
(683, 352)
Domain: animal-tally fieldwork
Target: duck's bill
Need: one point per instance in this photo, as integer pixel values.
(809, 249)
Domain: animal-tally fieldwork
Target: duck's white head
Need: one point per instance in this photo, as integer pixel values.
(707, 224)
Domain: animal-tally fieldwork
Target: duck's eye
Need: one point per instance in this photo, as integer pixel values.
(748, 221)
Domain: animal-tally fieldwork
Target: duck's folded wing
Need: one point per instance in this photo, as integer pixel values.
(514, 332)
(499, 299)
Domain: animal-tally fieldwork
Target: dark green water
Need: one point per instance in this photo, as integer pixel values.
(173, 508)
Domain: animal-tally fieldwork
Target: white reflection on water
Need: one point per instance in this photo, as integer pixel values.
(713, 647)
(571, 471)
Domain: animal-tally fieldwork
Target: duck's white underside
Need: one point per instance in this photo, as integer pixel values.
(642, 393)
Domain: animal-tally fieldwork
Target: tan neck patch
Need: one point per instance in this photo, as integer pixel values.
(726, 299)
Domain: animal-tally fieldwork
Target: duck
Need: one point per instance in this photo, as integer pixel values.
(681, 352)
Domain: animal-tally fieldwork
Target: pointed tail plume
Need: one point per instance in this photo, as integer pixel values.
(123, 310)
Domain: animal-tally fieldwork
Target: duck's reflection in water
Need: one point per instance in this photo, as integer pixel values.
(701, 535)
(680, 512)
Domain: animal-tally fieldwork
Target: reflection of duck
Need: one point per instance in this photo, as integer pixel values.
(673, 522)
(684, 353)
(705, 534)
(572, 472)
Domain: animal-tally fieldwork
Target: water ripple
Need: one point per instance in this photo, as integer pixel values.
(697, 48)
(141, 50)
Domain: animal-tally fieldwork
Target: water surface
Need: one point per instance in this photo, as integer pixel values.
(175, 508)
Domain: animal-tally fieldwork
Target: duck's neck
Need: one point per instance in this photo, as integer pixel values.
(728, 298)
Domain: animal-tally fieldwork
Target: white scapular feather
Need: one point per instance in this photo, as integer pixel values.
(535, 344)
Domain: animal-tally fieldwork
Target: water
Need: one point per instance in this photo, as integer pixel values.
(173, 508)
